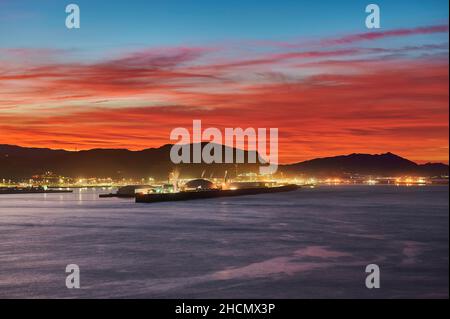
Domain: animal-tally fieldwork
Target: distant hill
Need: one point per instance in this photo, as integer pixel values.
(20, 162)
(387, 164)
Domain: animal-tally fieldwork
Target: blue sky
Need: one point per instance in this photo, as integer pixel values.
(134, 24)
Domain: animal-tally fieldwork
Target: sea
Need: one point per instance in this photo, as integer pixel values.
(311, 243)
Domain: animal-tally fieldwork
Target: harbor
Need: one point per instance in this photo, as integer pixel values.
(193, 189)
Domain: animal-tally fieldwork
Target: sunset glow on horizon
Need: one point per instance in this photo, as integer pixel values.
(337, 92)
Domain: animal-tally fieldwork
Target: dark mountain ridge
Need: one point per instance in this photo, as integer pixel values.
(19, 162)
(365, 164)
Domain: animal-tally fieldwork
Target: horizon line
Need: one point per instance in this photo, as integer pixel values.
(169, 144)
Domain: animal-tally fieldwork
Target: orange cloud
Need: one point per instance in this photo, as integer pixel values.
(324, 102)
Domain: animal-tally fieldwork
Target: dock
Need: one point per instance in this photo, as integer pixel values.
(214, 193)
(17, 191)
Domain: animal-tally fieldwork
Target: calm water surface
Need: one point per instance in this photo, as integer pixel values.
(312, 243)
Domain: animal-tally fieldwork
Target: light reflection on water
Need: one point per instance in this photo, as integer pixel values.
(310, 243)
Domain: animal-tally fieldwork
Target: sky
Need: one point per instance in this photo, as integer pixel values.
(135, 70)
